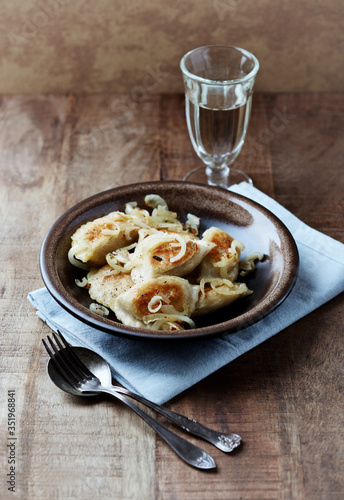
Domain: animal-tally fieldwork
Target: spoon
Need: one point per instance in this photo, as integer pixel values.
(187, 451)
(97, 365)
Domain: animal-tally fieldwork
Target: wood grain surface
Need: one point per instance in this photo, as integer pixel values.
(285, 397)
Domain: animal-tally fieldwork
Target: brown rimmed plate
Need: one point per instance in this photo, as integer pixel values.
(242, 218)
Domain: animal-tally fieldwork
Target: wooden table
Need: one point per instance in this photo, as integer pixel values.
(285, 397)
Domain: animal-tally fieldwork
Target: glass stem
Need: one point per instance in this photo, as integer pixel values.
(218, 176)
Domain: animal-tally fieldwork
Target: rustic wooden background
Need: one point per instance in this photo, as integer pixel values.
(116, 46)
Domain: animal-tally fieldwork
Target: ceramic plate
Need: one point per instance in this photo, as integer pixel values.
(242, 218)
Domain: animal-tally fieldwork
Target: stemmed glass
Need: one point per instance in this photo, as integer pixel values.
(218, 81)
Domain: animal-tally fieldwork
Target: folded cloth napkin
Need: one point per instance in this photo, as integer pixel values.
(161, 370)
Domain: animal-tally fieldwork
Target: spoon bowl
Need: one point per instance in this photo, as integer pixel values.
(95, 363)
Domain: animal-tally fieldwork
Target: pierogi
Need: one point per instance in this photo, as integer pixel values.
(155, 272)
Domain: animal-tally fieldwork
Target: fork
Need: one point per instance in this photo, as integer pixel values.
(225, 442)
(82, 380)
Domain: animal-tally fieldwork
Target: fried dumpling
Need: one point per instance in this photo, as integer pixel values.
(163, 303)
(223, 259)
(217, 294)
(105, 285)
(94, 240)
(155, 271)
(175, 254)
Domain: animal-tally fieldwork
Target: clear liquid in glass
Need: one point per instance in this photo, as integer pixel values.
(217, 135)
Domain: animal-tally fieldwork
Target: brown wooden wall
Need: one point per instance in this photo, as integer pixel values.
(135, 46)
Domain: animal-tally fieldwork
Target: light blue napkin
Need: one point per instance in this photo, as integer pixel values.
(161, 370)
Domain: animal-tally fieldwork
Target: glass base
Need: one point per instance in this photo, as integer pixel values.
(235, 177)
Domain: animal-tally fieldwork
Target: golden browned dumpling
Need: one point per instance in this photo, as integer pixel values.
(93, 240)
(164, 303)
(174, 254)
(105, 285)
(223, 260)
(220, 294)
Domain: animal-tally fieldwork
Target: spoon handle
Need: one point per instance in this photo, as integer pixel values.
(187, 451)
(225, 442)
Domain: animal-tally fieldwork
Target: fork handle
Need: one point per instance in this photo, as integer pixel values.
(187, 451)
(225, 442)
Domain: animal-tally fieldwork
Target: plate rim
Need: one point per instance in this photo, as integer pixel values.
(71, 305)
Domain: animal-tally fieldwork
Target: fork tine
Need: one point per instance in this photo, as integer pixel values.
(59, 362)
(73, 356)
(48, 349)
(57, 340)
(67, 359)
(72, 361)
